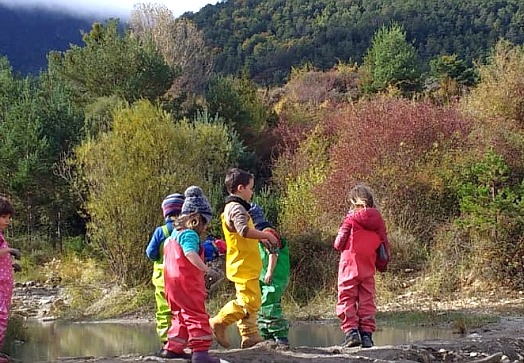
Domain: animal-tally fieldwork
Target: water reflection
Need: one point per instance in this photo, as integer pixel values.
(52, 340)
(329, 334)
(315, 334)
(64, 339)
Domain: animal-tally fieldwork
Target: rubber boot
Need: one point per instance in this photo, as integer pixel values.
(203, 357)
(167, 354)
(352, 339)
(250, 340)
(282, 343)
(219, 331)
(367, 340)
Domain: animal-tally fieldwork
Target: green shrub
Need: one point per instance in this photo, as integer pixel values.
(299, 174)
(314, 266)
(268, 198)
(407, 252)
(491, 208)
(125, 173)
(450, 266)
(499, 93)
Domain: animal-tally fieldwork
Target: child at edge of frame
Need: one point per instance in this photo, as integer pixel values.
(243, 262)
(274, 279)
(358, 240)
(6, 270)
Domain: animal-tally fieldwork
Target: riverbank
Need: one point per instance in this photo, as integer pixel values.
(496, 342)
(500, 341)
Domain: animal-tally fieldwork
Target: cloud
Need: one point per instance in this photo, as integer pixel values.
(106, 8)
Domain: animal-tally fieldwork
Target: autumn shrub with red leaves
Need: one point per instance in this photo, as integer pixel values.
(399, 148)
(404, 150)
(390, 134)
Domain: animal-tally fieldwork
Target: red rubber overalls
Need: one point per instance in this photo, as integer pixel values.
(358, 239)
(186, 295)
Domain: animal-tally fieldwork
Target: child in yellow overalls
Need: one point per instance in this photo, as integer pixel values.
(243, 262)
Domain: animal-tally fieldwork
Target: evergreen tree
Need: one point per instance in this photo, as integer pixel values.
(391, 61)
(111, 63)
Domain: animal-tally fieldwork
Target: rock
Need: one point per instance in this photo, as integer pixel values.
(490, 359)
(39, 301)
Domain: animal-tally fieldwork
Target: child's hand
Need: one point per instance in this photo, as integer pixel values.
(268, 278)
(273, 240)
(15, 253)
(267, 245)
(17, 267)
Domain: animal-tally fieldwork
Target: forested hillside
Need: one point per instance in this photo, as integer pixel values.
(26, 36)
(267, 37)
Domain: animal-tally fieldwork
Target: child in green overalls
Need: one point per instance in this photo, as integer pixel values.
(171, 207)
(274, 279)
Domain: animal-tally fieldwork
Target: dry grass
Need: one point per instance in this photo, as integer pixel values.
(321, 306)
(120, 302)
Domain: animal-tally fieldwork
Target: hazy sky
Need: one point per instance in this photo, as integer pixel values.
(108, 8)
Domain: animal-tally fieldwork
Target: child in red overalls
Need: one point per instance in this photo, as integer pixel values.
(359, 237)
(185, 289)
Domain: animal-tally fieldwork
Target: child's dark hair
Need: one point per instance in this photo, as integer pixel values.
(194, 221)
(236, 177)
(362, 195)
(6, 207)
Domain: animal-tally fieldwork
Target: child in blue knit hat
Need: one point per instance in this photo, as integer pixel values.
(171, 207)
(185, 288)
(274, 279)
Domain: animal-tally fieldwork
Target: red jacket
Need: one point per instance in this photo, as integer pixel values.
(358, 239)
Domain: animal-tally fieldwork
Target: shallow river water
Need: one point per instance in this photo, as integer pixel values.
(53, 340)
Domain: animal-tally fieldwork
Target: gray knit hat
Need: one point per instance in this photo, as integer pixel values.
(196, 201)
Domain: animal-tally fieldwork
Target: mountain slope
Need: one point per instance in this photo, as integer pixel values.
(27, 36)
(265, 37)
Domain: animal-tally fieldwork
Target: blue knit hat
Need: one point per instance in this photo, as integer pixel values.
(172, 204)
(196, 201)
(257, 214)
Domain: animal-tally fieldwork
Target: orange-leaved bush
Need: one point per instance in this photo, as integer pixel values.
(500, 94)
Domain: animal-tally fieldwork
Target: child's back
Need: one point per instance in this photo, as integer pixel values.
(359, 237)
(366, 231)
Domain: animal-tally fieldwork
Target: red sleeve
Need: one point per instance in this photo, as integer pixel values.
(343, 234)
